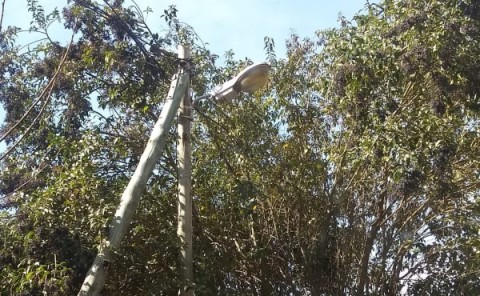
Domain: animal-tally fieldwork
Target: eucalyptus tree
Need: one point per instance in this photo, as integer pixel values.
(77, 115)
(355, 172)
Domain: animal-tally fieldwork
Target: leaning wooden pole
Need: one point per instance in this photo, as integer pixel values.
(96, 275)
(184, 152)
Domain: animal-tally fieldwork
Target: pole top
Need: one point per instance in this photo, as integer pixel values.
(183, 52)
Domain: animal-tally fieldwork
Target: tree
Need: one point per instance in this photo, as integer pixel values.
(365, 169)
(355, 172)
(67, 161)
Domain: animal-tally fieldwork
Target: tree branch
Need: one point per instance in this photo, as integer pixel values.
(1, 14)
(48, 88)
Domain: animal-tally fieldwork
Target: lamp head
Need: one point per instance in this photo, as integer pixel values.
(248, 80)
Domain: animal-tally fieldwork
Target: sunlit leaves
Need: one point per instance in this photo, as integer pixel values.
(355, 170)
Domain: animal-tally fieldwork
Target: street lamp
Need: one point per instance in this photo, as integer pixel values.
(178, 99)
(248, 80)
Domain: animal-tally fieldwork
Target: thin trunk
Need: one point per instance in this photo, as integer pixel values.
(184, 150)
(96, 276)
(363, 269)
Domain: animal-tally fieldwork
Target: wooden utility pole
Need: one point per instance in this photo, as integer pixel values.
(96, 275)
(184, 153)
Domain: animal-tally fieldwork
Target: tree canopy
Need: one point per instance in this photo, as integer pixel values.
(356, 171)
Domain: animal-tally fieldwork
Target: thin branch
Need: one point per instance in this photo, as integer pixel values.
(211, 119)
(29, 127)
(127, 28)
(30, 43)
(47, 88)
(47, 99)
(106, 82)
(101, 116)
(41, 167)
(136, 39)
(112, 135)
(1, 14)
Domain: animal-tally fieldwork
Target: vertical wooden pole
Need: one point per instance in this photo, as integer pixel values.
(184, 152)
(96, 276)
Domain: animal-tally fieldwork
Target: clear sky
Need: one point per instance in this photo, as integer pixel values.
(239, 25)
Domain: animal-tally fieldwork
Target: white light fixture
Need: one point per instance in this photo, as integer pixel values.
(248, 80)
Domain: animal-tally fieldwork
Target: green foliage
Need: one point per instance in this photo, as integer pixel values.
(76, 119)
(355, 171)
(364, 168)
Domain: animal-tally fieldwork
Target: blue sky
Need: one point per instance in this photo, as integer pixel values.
(227, 24)
(223, 24)
(242, 25)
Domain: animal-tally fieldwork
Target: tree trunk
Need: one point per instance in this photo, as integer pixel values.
(184, 151)
(95, 278)
(363, 268)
